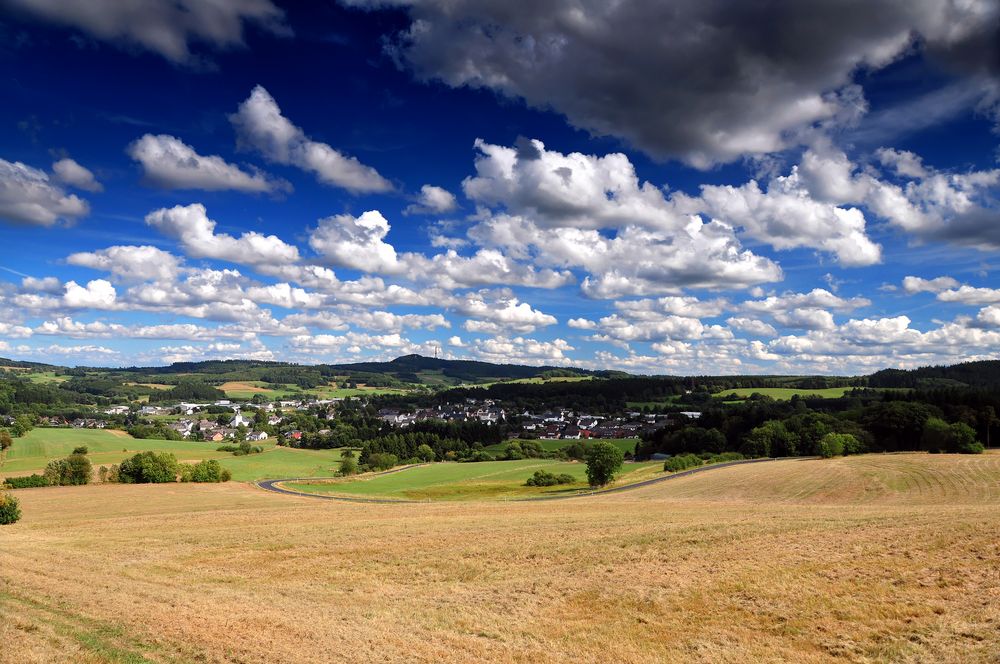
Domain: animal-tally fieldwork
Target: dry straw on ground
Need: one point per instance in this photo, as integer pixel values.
(878, 558)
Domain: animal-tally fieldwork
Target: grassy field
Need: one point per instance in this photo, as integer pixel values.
(535, 380)
(46, 377)
(283, 462)
(247, 390)
(785, 393)
(735, 565)
(31, 453)
(490, 480)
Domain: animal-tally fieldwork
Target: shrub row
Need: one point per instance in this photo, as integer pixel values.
(28, 482)
(545, 478)
(242, 449)
(681, 462)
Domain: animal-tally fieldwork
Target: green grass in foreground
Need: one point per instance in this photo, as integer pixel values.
(785, 393)
(470, 481)
(32, 452)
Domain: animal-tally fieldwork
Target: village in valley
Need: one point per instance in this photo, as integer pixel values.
(231, 420)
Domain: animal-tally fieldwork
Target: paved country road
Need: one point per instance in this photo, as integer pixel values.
(275, 485)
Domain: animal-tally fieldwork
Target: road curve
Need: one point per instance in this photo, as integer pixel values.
(274, 485)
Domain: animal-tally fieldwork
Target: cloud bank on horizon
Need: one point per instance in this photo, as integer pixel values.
(705, 188)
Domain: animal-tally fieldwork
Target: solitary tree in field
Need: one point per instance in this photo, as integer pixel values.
(604, 460)
(5, 440)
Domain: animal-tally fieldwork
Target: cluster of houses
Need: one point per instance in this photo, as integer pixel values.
(554, 424)
(470, 410)
(211, 430)
(566, 424)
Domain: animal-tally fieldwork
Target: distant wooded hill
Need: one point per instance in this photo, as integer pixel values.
(984, 374)
(433, 372)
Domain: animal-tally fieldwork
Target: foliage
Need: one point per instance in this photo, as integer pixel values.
(81, 449)
(242, 449)
(10, 509)
(157, 430)
(771, 439)
(604, 460)
(425, 452)
(957, 438)
(188, 391)
(836, 444)
(681, 462)
(75, 469)
(6, 440)
(149, 468)
(348, 465)
(382, 460)
(545, 478)
(26, 482)
(206, 471)
(724, 457)
(22, 425)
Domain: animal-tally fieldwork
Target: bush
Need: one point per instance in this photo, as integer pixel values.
(681, 462)
(958, 438)
(82, 449)
(725, 457)
(604, 460)
(242, 449)
(149, 468)
(962, 439)
(382, 460)
(29, 482)
(6, 440)
(532, 449)
(348, 465)
(10, 509)
(74, 470)
(209, 470)
(480, 455)
(545, 478)
(426, 453)
(513, 452)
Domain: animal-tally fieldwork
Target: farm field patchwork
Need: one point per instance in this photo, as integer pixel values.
(247, 390)
(470, 481)
(688, 570)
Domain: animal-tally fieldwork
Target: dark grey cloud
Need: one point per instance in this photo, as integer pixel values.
(701, 80)
(167, 27)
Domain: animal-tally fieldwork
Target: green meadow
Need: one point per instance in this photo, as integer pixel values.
(784, 393)
(32, 452)
(469, 481)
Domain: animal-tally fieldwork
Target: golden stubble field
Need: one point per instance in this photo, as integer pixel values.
(888, 558)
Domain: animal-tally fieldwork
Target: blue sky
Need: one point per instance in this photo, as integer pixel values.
(709, 189)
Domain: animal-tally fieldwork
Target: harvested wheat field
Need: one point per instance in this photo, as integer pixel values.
(870, 559)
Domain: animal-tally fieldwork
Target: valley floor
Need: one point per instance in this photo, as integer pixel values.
(875, 558)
